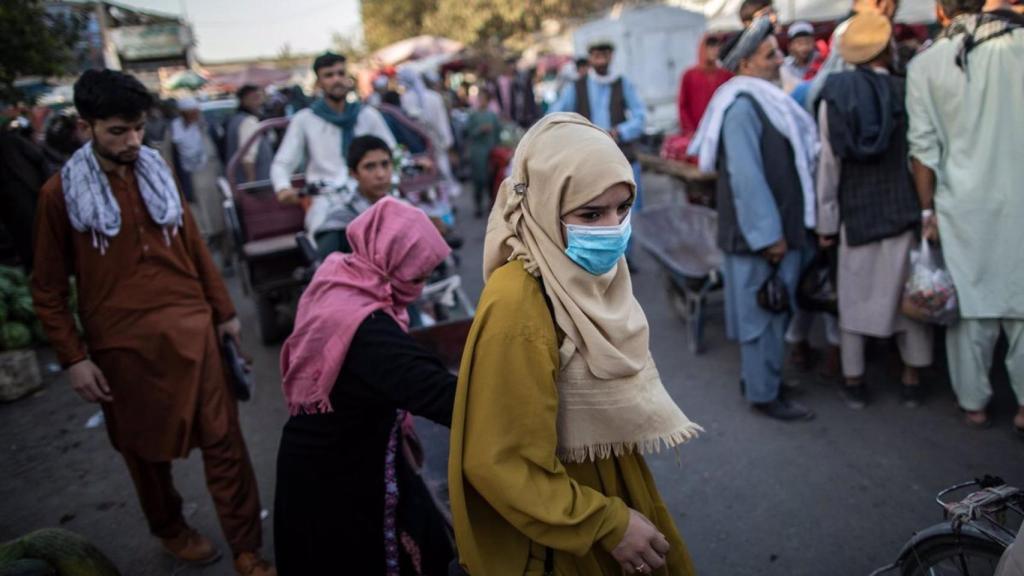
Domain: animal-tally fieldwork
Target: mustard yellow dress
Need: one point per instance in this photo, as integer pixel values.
(511, 498)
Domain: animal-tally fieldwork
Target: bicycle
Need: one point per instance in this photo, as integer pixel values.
(973, 537)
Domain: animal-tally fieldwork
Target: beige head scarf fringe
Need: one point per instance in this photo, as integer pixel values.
(611, 399)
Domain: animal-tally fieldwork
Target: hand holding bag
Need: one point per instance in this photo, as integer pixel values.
(929, 295)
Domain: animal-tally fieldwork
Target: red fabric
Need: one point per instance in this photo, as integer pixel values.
(696, 88)
(499, 160)
(674, 148)
(393, 245)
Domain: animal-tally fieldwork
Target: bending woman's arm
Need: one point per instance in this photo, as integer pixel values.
(398, 369)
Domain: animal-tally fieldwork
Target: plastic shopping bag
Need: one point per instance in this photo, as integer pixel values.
(929, 295)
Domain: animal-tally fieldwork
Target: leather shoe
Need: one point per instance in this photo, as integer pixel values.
(785, 410)
(252, 564)
(191, 547)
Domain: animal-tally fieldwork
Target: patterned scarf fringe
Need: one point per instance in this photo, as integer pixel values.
(595, 452)
(977, 29)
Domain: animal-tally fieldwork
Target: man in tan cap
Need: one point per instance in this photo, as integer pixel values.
(867, 200)
(835, 62)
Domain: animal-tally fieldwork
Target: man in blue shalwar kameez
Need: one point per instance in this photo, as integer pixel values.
(763, 146)
(611, 102)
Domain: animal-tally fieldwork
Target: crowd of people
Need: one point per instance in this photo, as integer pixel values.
(844, 154)
(558, 400)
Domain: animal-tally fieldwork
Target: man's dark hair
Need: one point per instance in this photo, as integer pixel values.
(245, 91)
(601, 46)
(954, 8)
(582, 61)
(61, 134)
(102, 94)
(326, 60)
(363, 145)
(750, 7)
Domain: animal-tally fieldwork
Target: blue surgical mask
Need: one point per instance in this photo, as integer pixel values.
(597, 248)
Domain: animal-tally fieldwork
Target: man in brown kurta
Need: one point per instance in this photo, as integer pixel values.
(152, 305)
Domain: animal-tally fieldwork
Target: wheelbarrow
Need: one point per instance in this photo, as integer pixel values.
(681, 238)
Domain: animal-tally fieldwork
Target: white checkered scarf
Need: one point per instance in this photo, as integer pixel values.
(91, 204)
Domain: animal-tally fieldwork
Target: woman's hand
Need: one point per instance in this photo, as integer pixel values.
(643, 548)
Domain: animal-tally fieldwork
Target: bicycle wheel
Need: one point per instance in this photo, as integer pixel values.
(952, 555)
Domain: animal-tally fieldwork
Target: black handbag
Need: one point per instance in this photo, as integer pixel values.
(773, 295)
(238, 369)
(816, 291)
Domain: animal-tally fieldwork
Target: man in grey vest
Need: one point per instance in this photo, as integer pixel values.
(764, 147)
(255, 165)
(611, 102)
(868, 203)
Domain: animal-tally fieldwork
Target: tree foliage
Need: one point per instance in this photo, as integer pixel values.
(388, 21)
(34, 42)
(468, 21)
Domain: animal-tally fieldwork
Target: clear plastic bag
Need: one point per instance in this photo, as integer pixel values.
(929, 295)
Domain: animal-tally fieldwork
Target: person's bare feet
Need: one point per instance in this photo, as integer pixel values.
(976, 418)
(1018, 420)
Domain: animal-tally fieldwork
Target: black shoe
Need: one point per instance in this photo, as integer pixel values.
(855, 397)
(786, 410)
(912, 396)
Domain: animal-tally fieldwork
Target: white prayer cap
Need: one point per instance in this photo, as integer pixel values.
(187, 104)
(800, 28)
(380, 82)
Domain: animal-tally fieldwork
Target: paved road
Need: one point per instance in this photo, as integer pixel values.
(837, 496)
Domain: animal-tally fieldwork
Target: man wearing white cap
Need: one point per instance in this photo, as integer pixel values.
(763, 146)
(189, 149)
(801, 54)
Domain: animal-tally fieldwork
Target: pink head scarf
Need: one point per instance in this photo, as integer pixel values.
(393, 245)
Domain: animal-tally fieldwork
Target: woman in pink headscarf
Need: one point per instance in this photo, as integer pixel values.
(347, 502)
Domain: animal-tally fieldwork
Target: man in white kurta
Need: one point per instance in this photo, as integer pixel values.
(317, 142)
(966, 142)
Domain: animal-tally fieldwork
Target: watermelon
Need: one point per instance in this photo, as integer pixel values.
(68, 553)
(14, 336)
(3, 311)
(38, 334)
(13, 275)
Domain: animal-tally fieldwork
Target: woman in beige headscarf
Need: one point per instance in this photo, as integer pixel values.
(558, 396)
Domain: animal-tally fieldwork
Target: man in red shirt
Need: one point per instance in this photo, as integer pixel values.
(699, 84)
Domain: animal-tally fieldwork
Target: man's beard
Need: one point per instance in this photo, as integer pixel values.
(339, 95)
(601, 70)
(126, 158)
